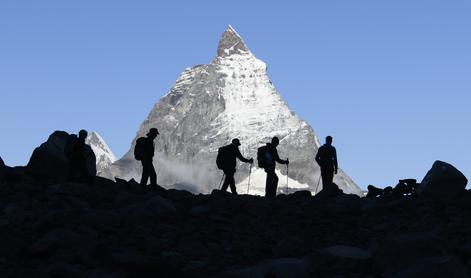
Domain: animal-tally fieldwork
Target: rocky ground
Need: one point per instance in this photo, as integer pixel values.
(120, 229)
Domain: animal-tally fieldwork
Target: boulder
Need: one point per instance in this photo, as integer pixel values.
(101, 273)
(2, 164)
(346, 252)
(402, 249)
(279, 268)
(329, 191)
(374, 191)
(54, 239)
(289, 247)
(442, 182)
(49, 161)
(441, 266)
(155, 207)
(341, 259)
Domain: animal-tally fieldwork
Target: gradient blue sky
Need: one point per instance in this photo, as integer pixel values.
(390, 80)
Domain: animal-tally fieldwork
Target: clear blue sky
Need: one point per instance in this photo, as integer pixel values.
(395, 75)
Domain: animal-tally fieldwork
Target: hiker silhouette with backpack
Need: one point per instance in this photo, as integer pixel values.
(144, 152)
(267, 157)
(326, 157)
(75, 153)
(227, 161)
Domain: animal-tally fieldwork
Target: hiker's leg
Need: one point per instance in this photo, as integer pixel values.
(226, 181)
(267, 184)
(145, 173)
(152, 174)
(330, 176)
(325, 178)
(232, 183)
(225, 184)
(275, 184)
(270, 184)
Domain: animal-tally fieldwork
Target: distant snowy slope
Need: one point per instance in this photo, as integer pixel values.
(104, 156)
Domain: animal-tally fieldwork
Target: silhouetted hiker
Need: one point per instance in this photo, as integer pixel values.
(75, 152)
(227, 161)
(144, 151)
(267, 157)
(326, 157)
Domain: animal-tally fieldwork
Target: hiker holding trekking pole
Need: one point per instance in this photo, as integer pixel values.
(267, 157)
(227, 161)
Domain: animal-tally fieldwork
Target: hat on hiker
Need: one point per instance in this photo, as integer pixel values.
(236, 141)
(153, 131)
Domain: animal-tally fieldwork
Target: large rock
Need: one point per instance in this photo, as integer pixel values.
(341, 259)
(443, 182)
(344, 251)
(279, 268)
(49, 161)
(2, 164)
(395, 251)
(441, 266)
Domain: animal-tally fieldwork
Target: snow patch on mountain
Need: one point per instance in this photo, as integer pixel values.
(257, 183)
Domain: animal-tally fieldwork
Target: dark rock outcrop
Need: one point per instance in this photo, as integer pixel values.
(442, 182)
(403, 188)
(49, 161)
(120, 229)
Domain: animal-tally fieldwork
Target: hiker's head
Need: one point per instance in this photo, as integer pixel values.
(83, 134)
(275, 141)
(153, 132)
(328, 140)
(236, 142)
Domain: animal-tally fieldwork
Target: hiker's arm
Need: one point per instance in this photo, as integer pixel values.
(239, 156)
(278, 159)
(318, 156)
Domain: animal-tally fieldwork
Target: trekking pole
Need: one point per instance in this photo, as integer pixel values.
(318, 181)
(250, 172)
(220, 183)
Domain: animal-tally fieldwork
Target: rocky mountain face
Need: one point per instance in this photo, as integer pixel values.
(207, 107)
(104, 156)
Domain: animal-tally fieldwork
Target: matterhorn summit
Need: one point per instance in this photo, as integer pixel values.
(207, 107)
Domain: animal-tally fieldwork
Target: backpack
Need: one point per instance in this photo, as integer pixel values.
(264, 157)
(139, 149)
(223, 159)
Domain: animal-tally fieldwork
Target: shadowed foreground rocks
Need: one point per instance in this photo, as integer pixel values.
(120, 229)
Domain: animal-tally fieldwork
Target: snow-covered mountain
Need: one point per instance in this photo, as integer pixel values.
(104, 156)
(211, 104)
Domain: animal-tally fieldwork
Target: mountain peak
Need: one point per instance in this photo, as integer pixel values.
(94, 136)
(210, 104)
(231, 43)
(104, 156)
